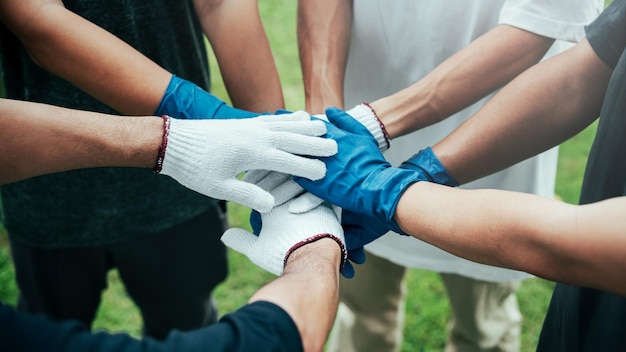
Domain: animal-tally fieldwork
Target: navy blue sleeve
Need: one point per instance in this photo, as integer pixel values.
(260, 326)
(607, 34)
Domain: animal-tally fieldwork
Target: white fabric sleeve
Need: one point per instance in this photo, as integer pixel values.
(559, 19)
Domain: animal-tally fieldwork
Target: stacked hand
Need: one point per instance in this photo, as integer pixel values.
(207, 155)
(284, 232)
(359, 179)
(306, 201)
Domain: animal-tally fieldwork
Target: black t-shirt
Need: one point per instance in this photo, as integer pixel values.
(579, 318)
(260, 326)
(93, 207)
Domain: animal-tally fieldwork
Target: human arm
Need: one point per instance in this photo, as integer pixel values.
(37, 139)
(203, 155)
(541, 108)
(306, 294)
(307, 250)
(245, 59)
(323, 43)
(488, 63)
(582, 245)
(68, 45)
(308, 290)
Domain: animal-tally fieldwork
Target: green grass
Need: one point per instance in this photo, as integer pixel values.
(425, 324)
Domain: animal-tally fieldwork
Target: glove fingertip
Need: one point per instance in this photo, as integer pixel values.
(347, 271)
(252, 196)
(357, 255)
(237, 239)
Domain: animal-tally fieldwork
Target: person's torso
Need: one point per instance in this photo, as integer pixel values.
(106, 205)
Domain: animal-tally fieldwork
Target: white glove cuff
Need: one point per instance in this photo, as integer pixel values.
(166, 132)
(181, 143)
(368, 118)
(342, 247)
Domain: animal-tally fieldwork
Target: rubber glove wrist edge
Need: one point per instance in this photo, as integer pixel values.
(427, 162)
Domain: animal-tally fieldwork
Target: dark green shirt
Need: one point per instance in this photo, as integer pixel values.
(103, 206)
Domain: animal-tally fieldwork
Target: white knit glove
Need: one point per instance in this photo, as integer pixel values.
(207, 155)
(284, 188)
(282, 233)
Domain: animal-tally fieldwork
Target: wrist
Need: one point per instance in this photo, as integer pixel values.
(324, 247)
(427, 163)
(366, 115)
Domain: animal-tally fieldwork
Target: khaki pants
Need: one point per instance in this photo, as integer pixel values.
(484, 316)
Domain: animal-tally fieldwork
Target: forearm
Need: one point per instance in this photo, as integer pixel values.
(55, 139)
(69, 46)
(486, 64)
(580, 245)
(541, 108)
(308, 290)
(323, 42)
(237, 36)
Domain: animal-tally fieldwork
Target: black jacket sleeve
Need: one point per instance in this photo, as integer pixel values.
(260, 326)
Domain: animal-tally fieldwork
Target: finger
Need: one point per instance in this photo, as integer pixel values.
(239, 240)
(299, 115)
(256, 222)
(307, 128)
(272, 181)
(357, 255)
(287, 163)
(286, 191)
(304, 203)
(347, 271)
(248, 195)
(254, 176)
(321, 117)
(305, 145)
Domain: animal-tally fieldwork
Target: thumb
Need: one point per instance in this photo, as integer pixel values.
(240, 240)
(249, 195)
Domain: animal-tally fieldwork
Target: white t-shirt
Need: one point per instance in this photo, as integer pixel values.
(396, 43)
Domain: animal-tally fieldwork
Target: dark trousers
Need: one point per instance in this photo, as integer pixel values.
(169, 275)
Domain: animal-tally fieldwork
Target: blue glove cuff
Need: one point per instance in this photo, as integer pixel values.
(389, 185)
(427, 163)
(185, 100)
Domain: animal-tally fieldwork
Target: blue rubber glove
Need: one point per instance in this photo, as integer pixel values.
(427, 163)
(358, 178)
(185, 100)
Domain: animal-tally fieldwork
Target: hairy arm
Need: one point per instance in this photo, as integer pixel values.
(308, 290)
(238, 38)
(68, 45)
(541, 108)
(580, 245)
(485, 65)
(323, 42)
(55, 139)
